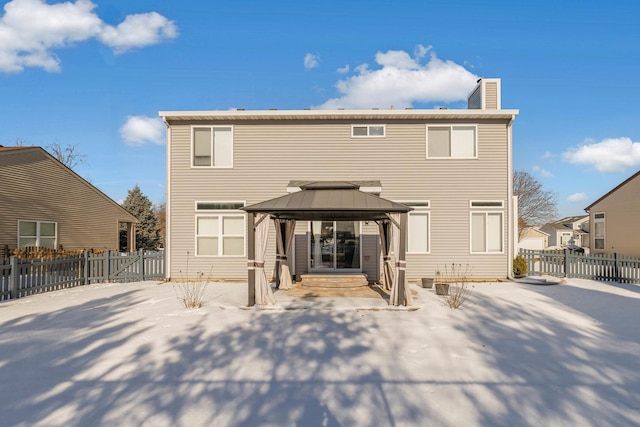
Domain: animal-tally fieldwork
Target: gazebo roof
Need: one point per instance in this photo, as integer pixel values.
(338, 201)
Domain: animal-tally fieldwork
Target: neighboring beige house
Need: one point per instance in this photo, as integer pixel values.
(616, 219)
(453, 168)
(563, 230)
(533, 238)
(44, 203)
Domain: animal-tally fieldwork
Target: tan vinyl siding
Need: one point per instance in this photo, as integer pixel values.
(37, 187)
(268, 154)
(622, 213)
(491, 95)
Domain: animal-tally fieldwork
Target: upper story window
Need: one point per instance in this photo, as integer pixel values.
(212, 146)
(368, 131)
(37, 233)
(452, 141)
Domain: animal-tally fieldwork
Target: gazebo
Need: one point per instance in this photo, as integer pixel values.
(332, 201)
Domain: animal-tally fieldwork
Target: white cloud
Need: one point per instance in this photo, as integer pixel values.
(577, 198)
(311, 61)
(344, 69)
(545, 173)
(402, 80)
(138, 130)
(547, 155)
(30, 30)
(609, 155)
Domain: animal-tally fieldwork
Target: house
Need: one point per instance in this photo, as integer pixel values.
(44, 203)
(448, 170)
(616, 219)
(563, 230)
(533, 238)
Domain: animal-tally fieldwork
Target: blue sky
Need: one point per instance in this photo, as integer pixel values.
(95, 74)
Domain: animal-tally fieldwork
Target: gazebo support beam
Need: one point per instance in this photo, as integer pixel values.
(251, 255)
(402, 300)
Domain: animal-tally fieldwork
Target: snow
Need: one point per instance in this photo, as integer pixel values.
(131, 355)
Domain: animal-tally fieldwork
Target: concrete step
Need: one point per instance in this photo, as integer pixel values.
(336, 280)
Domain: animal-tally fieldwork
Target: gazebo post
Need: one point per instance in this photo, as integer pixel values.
(402, 300)
(251, 253)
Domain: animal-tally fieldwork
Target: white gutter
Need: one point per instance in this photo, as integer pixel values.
(167, 230)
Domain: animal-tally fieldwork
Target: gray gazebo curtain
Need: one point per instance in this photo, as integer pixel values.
(283, 243)
(396, 299)
(384, 229)
(264, 294)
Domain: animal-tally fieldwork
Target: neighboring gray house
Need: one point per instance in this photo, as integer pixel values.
(44, 203)
(616, 219)
(453, 168)
(563, 230)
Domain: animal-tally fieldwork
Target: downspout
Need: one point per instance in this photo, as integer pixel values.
(511, 212)
(167, 229)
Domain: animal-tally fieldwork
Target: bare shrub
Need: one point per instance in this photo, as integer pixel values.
(457, 276)
(191, 292)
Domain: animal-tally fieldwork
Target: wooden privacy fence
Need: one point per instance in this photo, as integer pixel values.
(567, 263)
(20, 277)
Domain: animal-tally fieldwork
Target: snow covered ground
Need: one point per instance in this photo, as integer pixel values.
(130, 355)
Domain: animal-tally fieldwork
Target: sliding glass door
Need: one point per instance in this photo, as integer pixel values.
(334, 246)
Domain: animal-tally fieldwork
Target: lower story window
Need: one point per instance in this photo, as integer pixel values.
(37, 233)
(486, 232)
(220, 235)
(418, 232)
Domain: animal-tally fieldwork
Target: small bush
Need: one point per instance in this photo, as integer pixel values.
(457, 276)
(191, 292)
(520, 266)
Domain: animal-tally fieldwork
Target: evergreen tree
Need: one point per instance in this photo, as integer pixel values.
(139, 205)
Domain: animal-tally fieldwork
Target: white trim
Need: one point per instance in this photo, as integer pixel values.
(451, 126)
(486, 215)
(191, 142)
(412, 114)
(369, 126)
(167, 230)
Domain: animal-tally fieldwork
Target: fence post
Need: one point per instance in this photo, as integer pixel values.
(107, 265)
(566, 262)
(141, 269)
(615, 267)
(14, 277)
(86, 267)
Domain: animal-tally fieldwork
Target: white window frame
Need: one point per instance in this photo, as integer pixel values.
(38, 234)
(368, 135)
(212, 146)
(220, 214)
(420, 207)
(604, 231)
(451, 127)
(486, 211)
